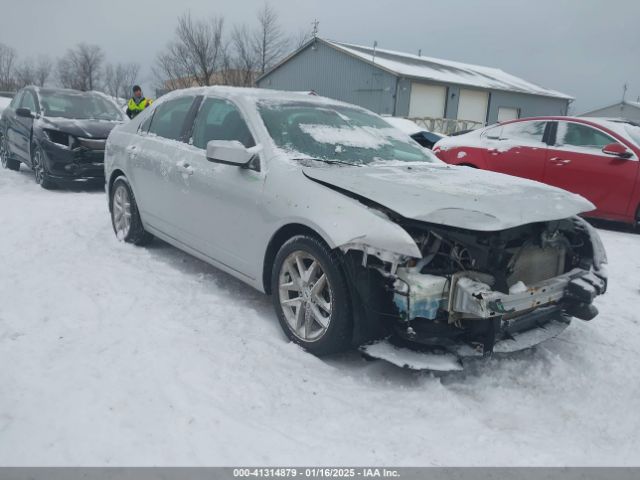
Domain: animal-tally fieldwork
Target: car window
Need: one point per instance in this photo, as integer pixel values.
(28, 101)
(523, 132)
(144, 126)
(220, 120)
(16, 100)
(168, 119)
(577, 135)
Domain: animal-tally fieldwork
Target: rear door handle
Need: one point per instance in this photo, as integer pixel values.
(185, 167)
(559, 161)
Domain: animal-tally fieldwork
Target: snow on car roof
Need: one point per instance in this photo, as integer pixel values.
(258, 95)
(445, 70)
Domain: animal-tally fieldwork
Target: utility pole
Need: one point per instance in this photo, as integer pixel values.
(375, 45)
(624, 92)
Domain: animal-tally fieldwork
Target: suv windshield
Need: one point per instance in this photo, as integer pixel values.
(333, 132)
(81, 106)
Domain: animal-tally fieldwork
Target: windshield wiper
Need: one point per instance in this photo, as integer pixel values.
(331, 162)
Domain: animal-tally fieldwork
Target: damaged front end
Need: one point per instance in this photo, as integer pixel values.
(474, 293)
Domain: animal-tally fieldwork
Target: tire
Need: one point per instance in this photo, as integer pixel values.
(38, 165)
(5, 156)
(125, 217)
(315, 310)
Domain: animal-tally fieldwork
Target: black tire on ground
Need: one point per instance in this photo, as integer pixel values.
(5, 156)
(39, 168)
(338, 333)
(136, 233)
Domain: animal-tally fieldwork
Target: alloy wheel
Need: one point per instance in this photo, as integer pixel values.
(3, 151)
(38, 166)
(305, 296)
(121, 212)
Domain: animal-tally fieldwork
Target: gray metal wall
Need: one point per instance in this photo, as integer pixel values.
(616, 111)
(529, 105)
(334, 74)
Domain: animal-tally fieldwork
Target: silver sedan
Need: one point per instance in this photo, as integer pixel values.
(360, 235)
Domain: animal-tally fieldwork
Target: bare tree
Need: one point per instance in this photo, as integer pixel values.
(195, 55)
(242, 62)
(43, 68)
(300, 38)
(269, 40)
(80, 67)
(25, 73)
(119, 78)
(8, 58)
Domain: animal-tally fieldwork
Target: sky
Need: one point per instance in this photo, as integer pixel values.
(588, 49)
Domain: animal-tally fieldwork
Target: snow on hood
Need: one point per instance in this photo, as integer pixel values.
(79, 128)
(455, 196)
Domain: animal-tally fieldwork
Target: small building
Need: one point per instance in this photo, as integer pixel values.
(443, 95)
(623, 109)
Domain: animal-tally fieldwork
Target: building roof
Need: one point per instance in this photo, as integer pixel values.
(435, 69)
(446, 71)
(624, 103)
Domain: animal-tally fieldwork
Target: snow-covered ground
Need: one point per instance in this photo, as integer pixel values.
(116, 355)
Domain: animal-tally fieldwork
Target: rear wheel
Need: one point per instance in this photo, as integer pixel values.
(310, 296)
(125, 217)
(40, 169)
(5, 155)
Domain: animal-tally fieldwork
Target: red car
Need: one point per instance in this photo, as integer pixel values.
(595, 157)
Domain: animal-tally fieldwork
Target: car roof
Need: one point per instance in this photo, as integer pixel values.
(257, 95)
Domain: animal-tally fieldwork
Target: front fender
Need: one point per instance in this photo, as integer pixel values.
(342, 221)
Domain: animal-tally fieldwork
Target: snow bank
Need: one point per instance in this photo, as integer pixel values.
(118, 355)
(4, 103)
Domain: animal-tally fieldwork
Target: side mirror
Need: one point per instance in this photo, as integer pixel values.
(617, 150)
(24, 112)
(228, 152)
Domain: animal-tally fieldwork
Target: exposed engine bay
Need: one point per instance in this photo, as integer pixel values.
(472, 290)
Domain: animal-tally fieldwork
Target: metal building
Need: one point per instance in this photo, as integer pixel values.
(446, 96)
(625, 109)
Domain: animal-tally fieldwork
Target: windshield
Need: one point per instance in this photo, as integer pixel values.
(79, 106)
(337, 133)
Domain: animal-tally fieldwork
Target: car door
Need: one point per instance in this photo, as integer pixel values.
(152, 158)
(576, 163)
(219, 204)
(517, 148)
(9, 122)
(23, 127)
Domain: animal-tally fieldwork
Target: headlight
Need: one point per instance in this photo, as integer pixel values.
(60, 138)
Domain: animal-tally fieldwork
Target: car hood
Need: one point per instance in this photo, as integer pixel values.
(79, 128)
(455, 196)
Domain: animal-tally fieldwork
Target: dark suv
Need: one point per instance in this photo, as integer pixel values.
(60, 134)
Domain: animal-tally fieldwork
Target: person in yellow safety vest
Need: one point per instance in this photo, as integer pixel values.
(137, 103)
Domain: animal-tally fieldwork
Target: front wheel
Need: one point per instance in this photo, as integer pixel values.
(311, 297)
(125, 217)
(5, 155)
(40, 169)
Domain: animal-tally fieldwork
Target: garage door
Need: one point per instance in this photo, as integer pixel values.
(507, 113)
(427, 101)
(472, 105)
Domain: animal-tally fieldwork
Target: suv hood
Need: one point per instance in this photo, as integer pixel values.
(455, 196)
(80, 128)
